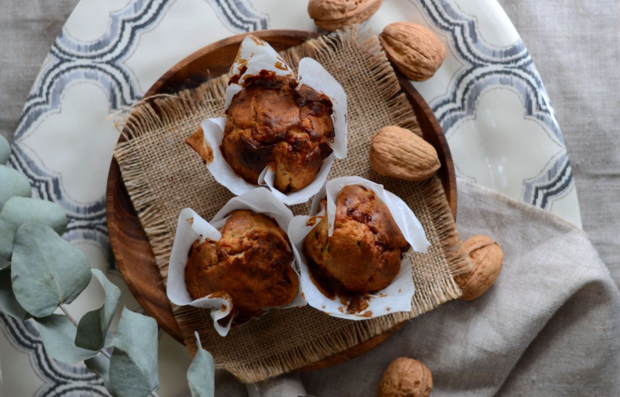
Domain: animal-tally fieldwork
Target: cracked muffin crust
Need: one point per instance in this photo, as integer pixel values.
(364, 253)
(251, 263)
(270, 123)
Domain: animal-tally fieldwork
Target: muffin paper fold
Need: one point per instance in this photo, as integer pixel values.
(192, 227)
(394, 298)
(253, 57)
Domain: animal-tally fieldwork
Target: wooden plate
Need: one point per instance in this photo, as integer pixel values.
(129, 242)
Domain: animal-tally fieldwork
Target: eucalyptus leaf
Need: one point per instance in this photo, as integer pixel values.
(20, 210)
(5, 150)
(46, 271)
(58, 334)
(133, 367)
(101, 366)
(201, 373)
(93, 327)
(8, 302)
(12, 183)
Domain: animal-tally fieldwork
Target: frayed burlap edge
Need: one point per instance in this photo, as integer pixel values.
(160, 114)
(381, 69)
(154, 115)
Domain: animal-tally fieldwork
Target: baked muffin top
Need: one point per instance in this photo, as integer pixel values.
(251, 263)
(364, 253)
(271, 123)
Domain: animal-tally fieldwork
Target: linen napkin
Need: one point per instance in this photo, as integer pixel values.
(550, 325)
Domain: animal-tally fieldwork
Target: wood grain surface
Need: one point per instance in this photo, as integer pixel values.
(130, 245)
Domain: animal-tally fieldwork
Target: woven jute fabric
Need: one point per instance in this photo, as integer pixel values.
(163, 176)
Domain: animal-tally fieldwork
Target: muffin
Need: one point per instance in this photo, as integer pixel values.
(364, 253)
(251, 263)
(271, 123)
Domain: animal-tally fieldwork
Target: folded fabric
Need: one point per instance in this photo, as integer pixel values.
(549, 326)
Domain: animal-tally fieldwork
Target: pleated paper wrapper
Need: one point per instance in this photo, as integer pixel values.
(192, 227)
(255, 56)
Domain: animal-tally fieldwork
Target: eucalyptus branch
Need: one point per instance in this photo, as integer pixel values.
(32, 239)
(102, 351)
(69, 316)
(74, 321)
(105, 354)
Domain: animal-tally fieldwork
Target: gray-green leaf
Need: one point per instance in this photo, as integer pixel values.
(101, 366)
(8, 302)
(58, 334)
(5, 150)
(19, 210)
(201, 373)
(12, 183)
(133, 367)
(47, 271)
(93, 327)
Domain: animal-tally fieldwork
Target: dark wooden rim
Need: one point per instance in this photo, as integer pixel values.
(433, 134)
(130, 245)
(180, 77)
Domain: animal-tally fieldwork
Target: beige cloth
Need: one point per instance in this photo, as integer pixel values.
(575, 45)
(549, 326)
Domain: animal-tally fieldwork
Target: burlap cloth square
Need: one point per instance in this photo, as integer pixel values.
(163, 176)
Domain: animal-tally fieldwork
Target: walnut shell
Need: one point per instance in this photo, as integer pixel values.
(335, 14)
(487, 258)
(406, 377)
(413, 49)
(401, 154)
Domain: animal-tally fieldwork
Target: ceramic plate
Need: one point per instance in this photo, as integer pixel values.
(487, 96)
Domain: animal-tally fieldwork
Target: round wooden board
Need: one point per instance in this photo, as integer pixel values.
(130, 245)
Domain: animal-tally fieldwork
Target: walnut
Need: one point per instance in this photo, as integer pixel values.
(406, 377)
(401, 154)
(413, 49)
(335, 14)
(487, 258)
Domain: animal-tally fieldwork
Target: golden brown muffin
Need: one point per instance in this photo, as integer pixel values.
(363, 254)
(269, 122)
(251, 262)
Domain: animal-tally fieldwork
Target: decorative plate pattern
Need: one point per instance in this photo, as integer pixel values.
(487, 96)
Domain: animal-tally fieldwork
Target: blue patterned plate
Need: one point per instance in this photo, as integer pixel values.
(487, 96)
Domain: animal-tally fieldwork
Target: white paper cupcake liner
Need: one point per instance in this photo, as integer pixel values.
(192, 227)
(394, 298)
(256, 55)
